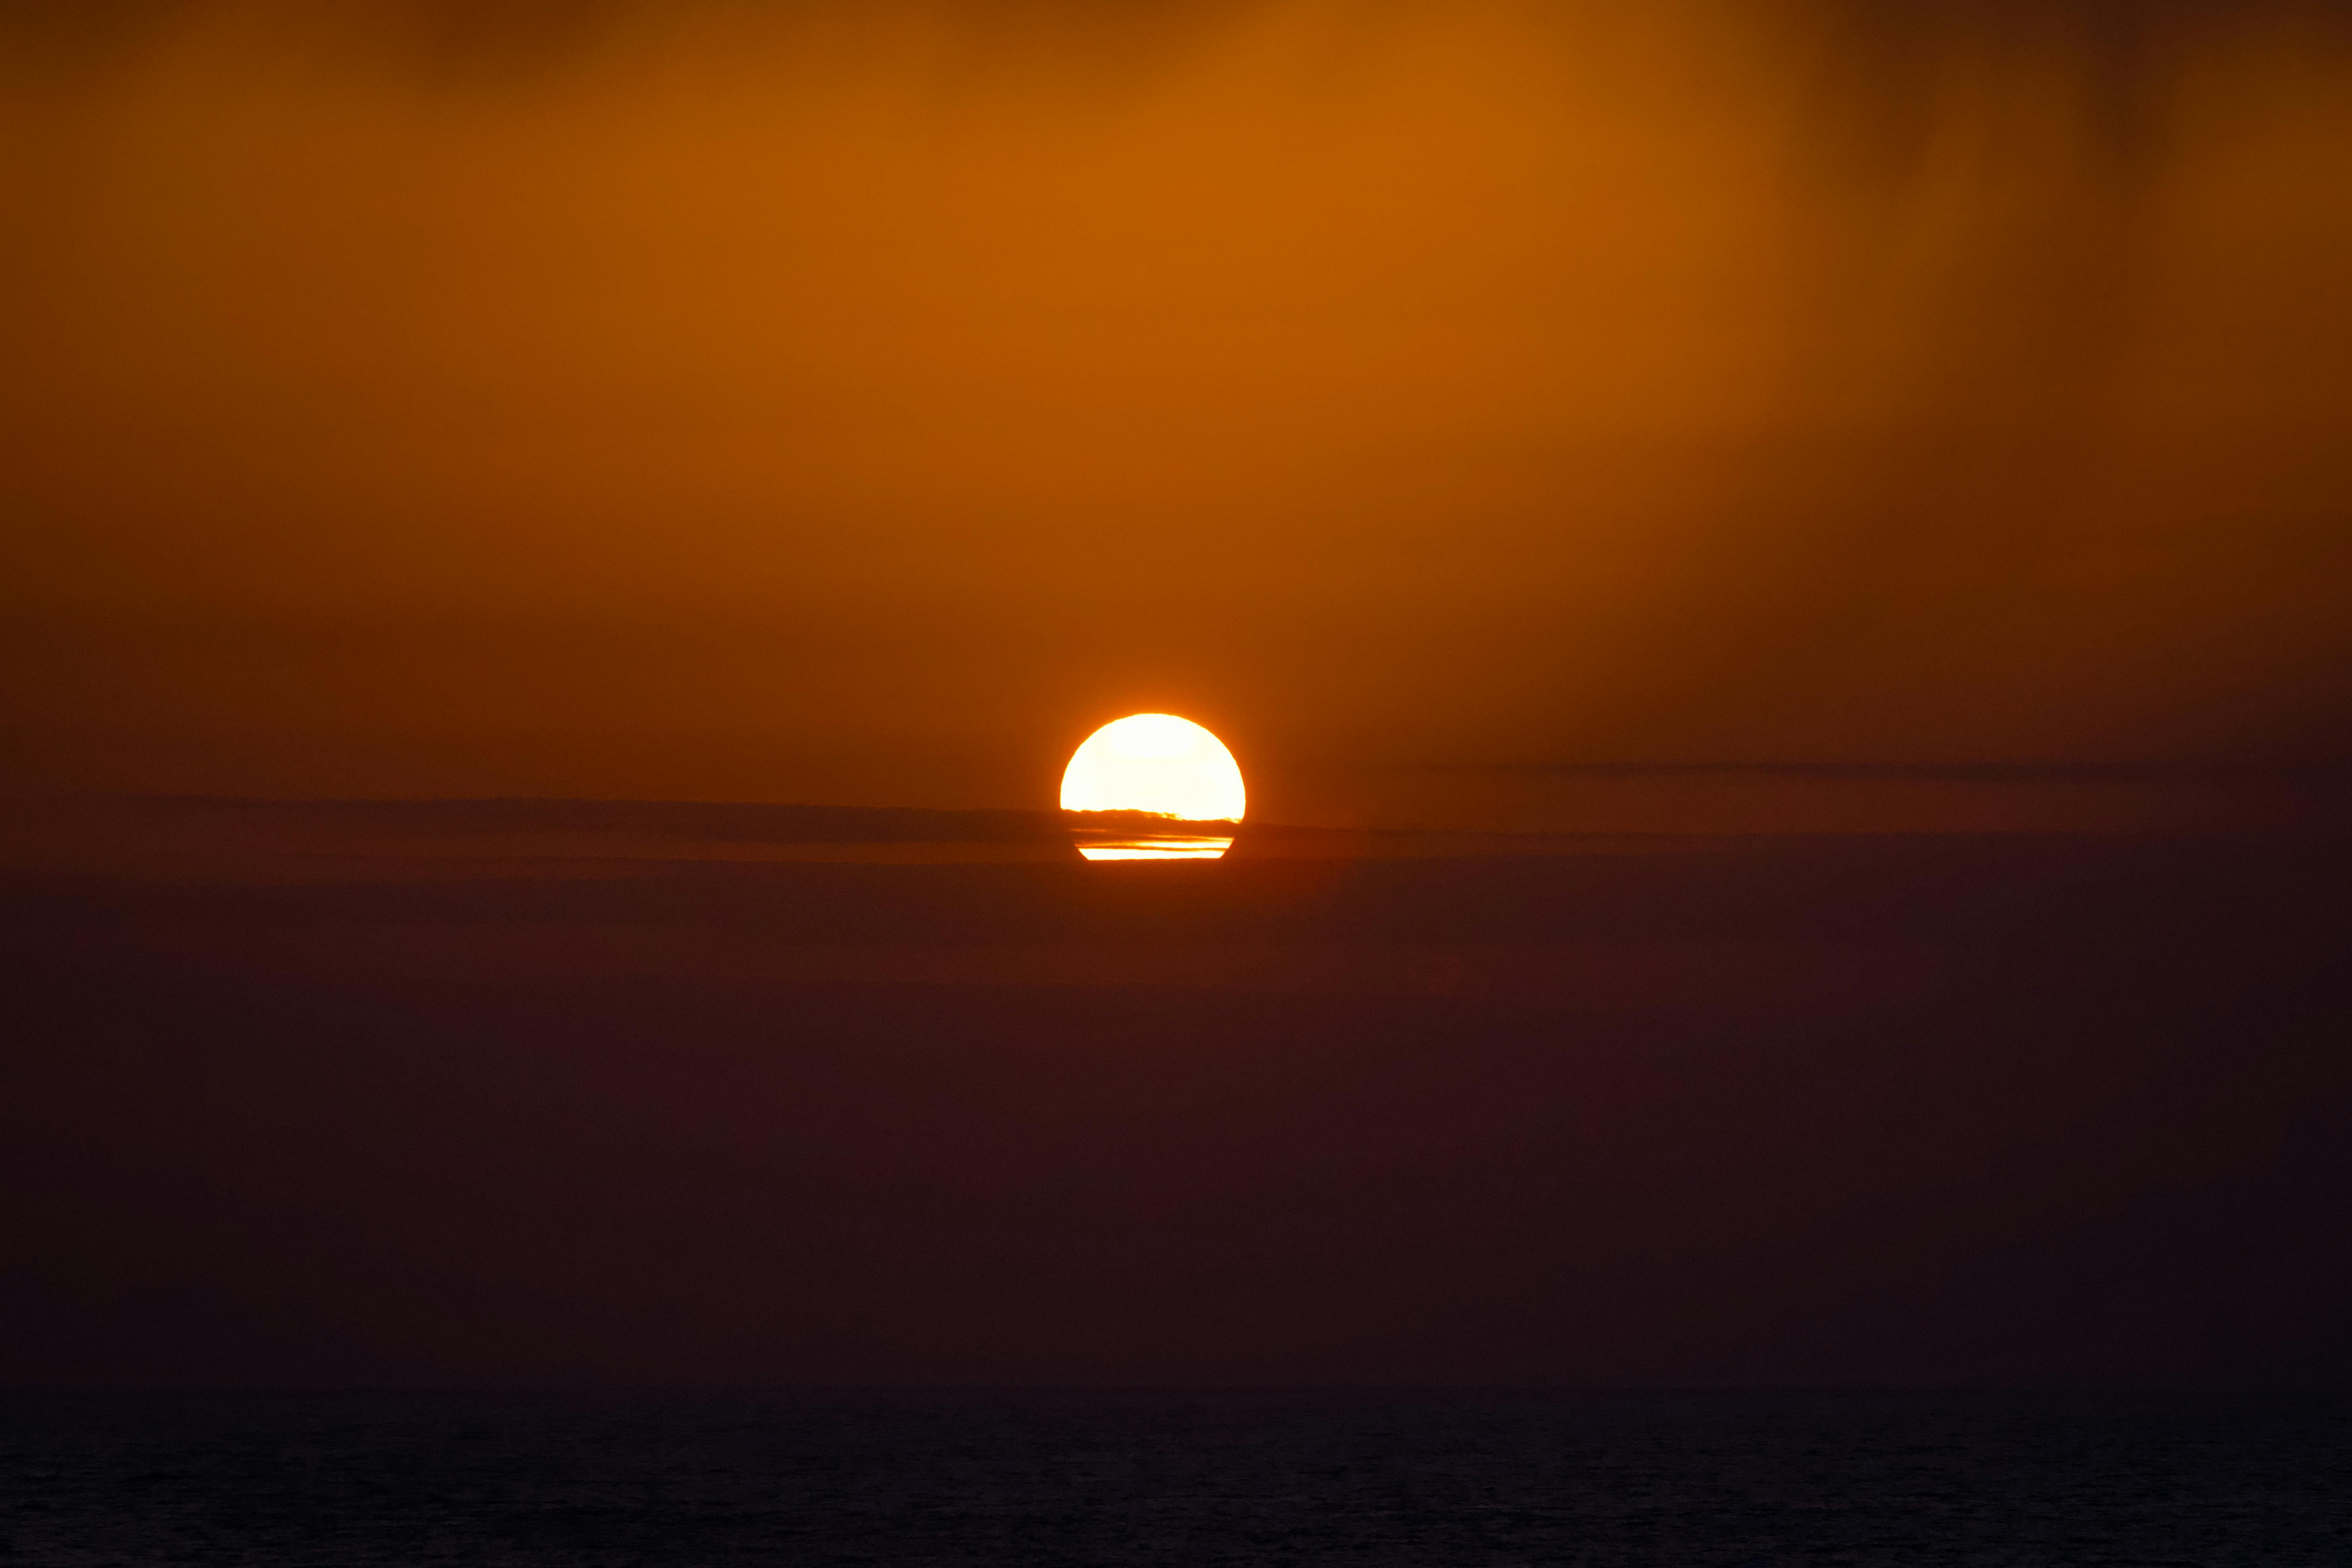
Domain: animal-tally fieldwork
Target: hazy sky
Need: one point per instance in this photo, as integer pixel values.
(862, 402)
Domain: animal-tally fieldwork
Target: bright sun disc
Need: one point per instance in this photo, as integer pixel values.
(1159, 764)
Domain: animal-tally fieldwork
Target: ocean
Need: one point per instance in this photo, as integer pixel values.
(1693, 1481)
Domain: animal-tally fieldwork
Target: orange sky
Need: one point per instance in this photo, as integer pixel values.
(834, 402)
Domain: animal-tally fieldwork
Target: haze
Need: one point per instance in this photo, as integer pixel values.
(813, 402)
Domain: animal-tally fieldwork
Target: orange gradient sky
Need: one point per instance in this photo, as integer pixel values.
(831, 402)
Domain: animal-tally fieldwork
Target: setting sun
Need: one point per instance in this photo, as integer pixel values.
(1159, 765)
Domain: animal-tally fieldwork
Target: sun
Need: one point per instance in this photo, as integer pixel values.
(1161, 766)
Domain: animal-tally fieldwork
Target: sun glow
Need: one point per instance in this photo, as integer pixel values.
(1159, 765)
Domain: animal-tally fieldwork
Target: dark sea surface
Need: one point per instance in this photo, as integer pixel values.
(1711, 1480)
